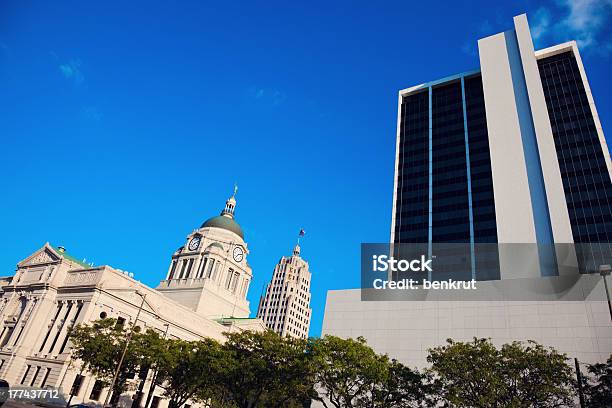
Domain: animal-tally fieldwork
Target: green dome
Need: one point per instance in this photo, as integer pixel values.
(224, 222)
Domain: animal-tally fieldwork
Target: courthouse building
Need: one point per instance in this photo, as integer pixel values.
(203, 296)
(509, 155)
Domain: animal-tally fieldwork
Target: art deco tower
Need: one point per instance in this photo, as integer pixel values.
(285, 305)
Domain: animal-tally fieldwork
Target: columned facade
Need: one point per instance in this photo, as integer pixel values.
(51, 292)
(210, 273)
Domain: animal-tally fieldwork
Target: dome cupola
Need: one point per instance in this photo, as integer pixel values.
(226, 219)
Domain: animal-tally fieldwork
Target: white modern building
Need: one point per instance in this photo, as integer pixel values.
(510, 154)
(285, 305)
(204, 296)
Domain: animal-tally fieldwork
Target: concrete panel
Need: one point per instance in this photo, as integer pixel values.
(561, 227)
(579, 328)
(510, 184)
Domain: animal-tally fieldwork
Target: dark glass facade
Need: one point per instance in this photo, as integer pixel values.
(481, 182)
(483, 204)
(450, 204)
(450, 179)
(586, 181)
(412, 206)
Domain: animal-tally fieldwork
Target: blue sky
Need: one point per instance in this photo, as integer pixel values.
(124, 125)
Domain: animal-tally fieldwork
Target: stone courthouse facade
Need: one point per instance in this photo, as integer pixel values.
(203, 295)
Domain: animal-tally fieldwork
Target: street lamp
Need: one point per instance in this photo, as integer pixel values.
(154, 378)
(127, 343)
(604, 271)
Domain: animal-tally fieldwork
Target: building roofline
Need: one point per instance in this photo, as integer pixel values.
(545, 52)
(556, 49)
(426, 85)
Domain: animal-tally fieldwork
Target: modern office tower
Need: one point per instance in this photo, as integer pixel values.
(285, 305)
(511, 153)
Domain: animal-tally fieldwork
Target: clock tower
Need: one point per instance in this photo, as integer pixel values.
(210, 273)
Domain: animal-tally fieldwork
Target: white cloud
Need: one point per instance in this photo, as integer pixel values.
(585, 21)
(540, 23)
(267, 95)
(72, 71)
(580, 20)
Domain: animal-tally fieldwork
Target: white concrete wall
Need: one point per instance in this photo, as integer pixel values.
(557, 207)
(510, 185)
(407, 329)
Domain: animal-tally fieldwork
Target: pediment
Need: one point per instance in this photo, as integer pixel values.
(43, 256)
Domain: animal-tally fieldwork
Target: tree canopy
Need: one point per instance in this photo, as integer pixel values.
(477, 374)
(99, 347)
(598, 385)
(251, 370)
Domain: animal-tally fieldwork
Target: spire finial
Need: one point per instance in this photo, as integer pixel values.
(230, 204)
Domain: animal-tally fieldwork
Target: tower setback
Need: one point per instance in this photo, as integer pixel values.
(285, 305)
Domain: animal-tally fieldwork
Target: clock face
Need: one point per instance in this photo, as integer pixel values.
(194, 243)
(238, 254)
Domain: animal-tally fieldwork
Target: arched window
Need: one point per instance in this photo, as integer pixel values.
(235, 279)
(228, 279)
(172, 270)
(181, 274)
(189, 266)
(202, 268)
(245, 288)
(211, 265)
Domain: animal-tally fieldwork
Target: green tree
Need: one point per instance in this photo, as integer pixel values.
(347, 371)
(265, 370)
(536, 376)
(99, 347)
(151, 345)
(598, 385)
(190, 370)
(477, 374)
(404, 387)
